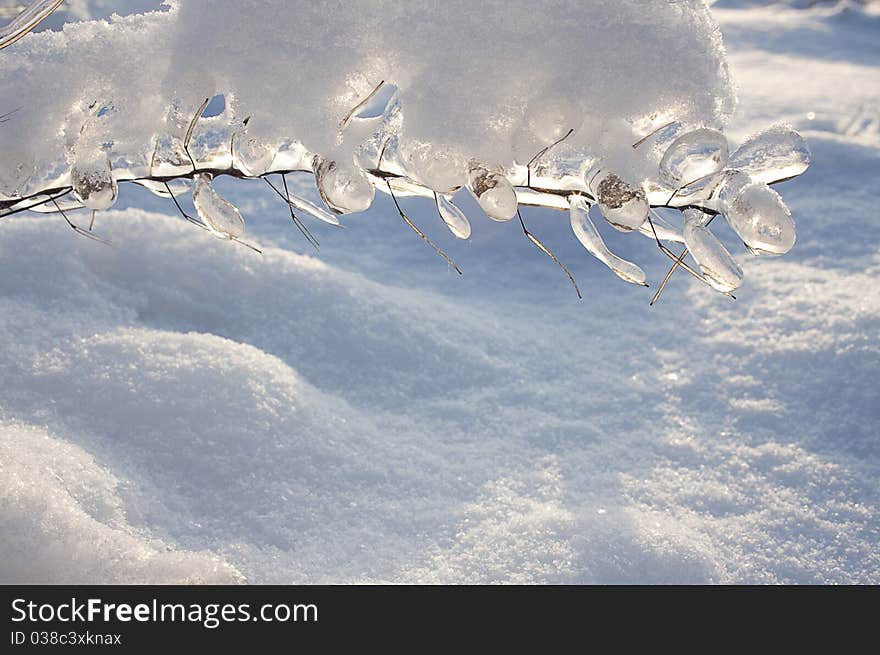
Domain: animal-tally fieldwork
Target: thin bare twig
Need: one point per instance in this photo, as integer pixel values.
(421, 234)
(540, 246)
(296, 220)
(541, 153)
(345, 121)
(78, 229)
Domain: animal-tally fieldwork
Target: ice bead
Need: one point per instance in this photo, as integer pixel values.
(251, 154)
(771, 155)
(624, 205)
(438, 167)
(761, 219)
(92, 180)
(694, 156)
(494, 193)
(345, 189)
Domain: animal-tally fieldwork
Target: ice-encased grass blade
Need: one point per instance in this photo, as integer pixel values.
(219, 215)
(589, 236)
(718, 266)
(454, 218)
(33, 15)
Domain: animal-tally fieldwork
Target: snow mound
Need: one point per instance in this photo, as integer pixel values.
(62, 521)
(306, 424)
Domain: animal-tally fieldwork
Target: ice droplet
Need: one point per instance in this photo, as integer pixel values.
(251, 154)
(624, 205)
(439, 167)
(92, 180)
(694, 156)
(218, 214)
(761, 219)
(717, 265)
(494, 193)
(345, 189)
(771, 155)
(729, 187)
(589, 236)
(454, 218)
(169, 157)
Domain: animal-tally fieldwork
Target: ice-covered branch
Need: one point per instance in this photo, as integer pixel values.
(618, 105)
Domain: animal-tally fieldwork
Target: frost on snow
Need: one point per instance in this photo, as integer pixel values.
(614, 103)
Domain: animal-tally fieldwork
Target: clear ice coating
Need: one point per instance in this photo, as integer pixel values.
(717, 265)
(438, 167)
(694, 156)
(624, 205)
(251, 154)
(177, 187)
(762, 220)
(219, 215)
(30, 17)
(454, 218)
(373, 100)
(493, 192)
(771, 155)
(345, 189)
(312, 209)
(169, 157)
(727, 189)
(92, 179)
(588, 235)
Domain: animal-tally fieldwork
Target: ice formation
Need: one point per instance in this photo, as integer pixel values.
(614, 103)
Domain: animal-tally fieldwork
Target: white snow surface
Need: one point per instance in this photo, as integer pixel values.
(180, 409)
(492, 81)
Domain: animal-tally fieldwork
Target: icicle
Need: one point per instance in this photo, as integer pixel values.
(345, 189)
(717, 265)
(623, 205)
(454, 218)
(771, 155)
(494, 193)
(218, 214)
(588, 235)
(761, 219)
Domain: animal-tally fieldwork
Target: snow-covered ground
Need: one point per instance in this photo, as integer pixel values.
(177, 408)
